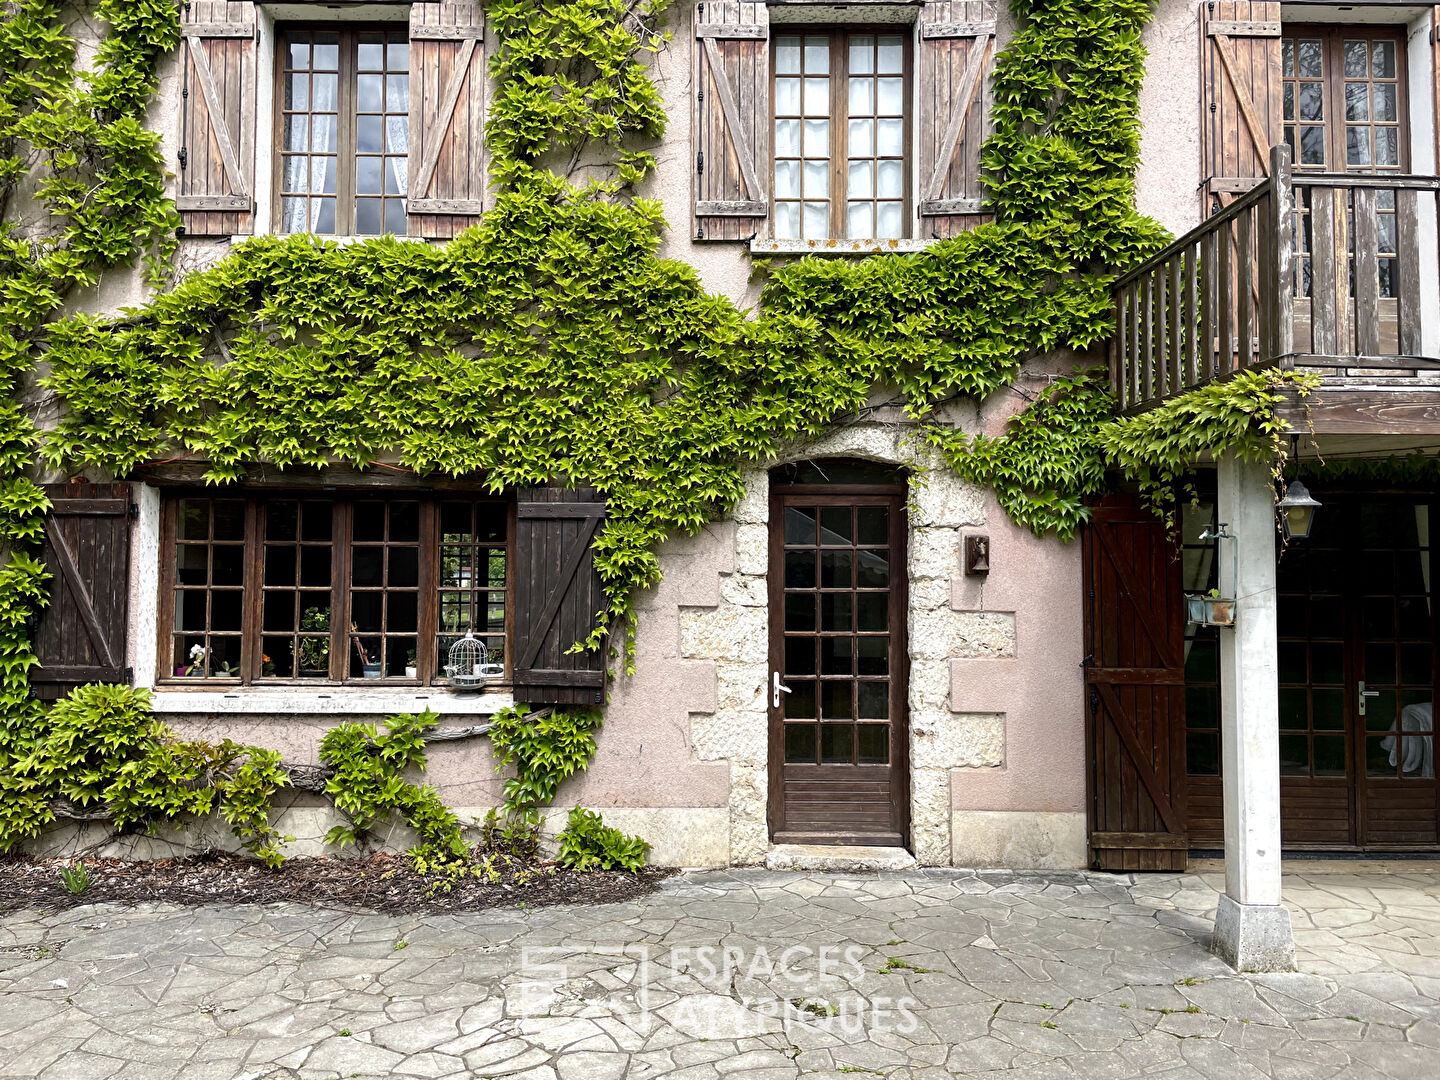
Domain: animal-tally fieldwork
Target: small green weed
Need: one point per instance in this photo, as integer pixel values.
(76, 879)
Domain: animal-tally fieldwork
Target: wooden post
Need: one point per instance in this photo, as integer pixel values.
(1282, 210)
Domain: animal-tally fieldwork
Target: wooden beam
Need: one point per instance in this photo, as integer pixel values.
(1362, 412)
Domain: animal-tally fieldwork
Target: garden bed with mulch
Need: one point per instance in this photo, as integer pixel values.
(379, 883)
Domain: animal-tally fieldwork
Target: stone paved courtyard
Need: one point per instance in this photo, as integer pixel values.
(754, 974)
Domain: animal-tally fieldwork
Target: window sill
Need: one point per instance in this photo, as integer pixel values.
(837, 247)
(341, 239)
(334, 701)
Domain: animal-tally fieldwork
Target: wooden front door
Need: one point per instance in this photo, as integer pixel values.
(838, 730)
(1135, 676)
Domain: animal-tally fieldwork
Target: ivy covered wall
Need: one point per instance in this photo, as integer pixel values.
(550, 341)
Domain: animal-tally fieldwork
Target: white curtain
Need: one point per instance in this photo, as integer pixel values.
(397, 141)
(1197, 561)
(322, 178)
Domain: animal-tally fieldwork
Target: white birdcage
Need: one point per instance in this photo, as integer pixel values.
(469, 663)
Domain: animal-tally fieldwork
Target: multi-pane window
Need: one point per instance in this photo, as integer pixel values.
(474, 576)
(840, 134)
(1345, 111)
(301, 588)
(208, 586)
(1343, 98)
(344, 118)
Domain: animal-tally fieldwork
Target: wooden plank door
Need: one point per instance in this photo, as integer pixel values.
(838, 725)
(1135, 676)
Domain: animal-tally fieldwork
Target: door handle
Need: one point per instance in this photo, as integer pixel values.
(776, 689)
(1366, 694)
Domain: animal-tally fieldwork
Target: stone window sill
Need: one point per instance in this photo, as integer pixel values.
(837, 247)
(345, 701)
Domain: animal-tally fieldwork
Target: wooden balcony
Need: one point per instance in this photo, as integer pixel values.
(1335, 273)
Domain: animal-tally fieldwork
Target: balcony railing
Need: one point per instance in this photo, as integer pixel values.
(1304, 271)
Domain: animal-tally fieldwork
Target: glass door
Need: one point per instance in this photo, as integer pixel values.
(838, 732)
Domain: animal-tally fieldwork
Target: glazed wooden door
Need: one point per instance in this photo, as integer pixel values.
(838, 731)
(1356, 660)
(1392, 649)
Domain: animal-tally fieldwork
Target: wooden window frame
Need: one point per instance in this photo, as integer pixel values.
(347, 94)
(839, 116)
(1333, 36)
(427, 634)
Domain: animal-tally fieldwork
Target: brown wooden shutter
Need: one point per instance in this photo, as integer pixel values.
(1435, 76)
(557, 597)
(216, 188)
(1240, 70)
(955, 53)
(80, 635)
(448, 171)
(1135, 676)
(730, 122)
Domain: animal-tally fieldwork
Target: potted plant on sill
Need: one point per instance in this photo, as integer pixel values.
(411, 671)
(1211, 609)
(368, 669)
(315, 651)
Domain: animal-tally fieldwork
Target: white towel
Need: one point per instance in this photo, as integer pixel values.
(1419, 753)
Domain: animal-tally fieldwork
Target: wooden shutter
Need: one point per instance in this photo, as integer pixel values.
(447, 118)
(955, 53)
(1435, 78)
(557, 597)
(730, 124)
(80, 635)
(1135, 676)
(216, 189)
(1240, 70)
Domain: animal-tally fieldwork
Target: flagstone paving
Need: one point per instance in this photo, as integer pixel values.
(751, 974)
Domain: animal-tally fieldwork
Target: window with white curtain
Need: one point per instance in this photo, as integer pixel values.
(343, 125)
(841, 101)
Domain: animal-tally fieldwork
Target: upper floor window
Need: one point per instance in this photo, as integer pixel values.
(343, 124)
(340, 140)
(840, 136)
(1343, 97)
(305, 589)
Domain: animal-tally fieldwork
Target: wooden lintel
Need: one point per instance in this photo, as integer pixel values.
(305, 478)
(1362, 412)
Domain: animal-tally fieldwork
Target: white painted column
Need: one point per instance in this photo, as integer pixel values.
(1252, 929)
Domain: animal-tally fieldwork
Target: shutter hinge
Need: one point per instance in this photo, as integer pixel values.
(134, 511)
(1094, 701)
(700, 162)
(184, 158)
(1088, 661)
(700, 95)
(129, 674)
